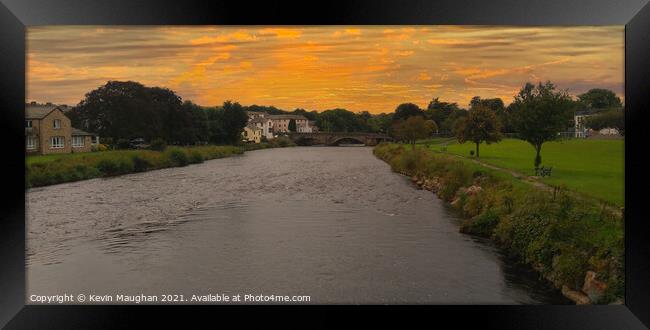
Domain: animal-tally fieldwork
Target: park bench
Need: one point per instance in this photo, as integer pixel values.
(543, 171)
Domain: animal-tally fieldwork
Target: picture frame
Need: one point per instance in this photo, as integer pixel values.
(16, 15)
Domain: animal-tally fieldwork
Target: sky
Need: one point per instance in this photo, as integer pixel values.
(359, 68)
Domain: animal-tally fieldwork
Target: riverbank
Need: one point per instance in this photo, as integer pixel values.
(575, 243)
(60, 168)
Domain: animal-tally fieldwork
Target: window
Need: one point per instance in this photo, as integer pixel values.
(31, 143)
(78, 141)
(28, 123)
(57, 142)
(57, 123)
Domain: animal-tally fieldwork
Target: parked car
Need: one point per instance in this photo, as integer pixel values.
(138, 143)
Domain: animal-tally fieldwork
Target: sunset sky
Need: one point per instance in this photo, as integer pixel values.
(359, 68)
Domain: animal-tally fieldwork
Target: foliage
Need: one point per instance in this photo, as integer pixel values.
(560, 235)
(540, 113)
(614, 118)
(599, 98)
(126, 110)
(414, 128)
(480, 126)
(177, 156)
(341, 120)
(292, 125)
(445, 115)
(406, 110)
(158, 145)
(58, 168)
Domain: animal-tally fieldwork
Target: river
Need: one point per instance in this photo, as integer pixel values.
(332, 223)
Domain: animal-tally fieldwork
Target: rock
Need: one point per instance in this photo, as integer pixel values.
(593, 288)
(576, 296)
(473, 190)
(414, 179)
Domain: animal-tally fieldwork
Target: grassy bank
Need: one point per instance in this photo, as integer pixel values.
(567, 239)
(592, 167)
(59, 168)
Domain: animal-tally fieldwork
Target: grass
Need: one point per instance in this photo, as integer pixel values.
(556, 233)
(43, 170)
(591, 167)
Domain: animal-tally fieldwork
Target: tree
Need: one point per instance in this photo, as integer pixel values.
(128, 109)
(599, 98)
(292, 125)
(481, 125)
(608, 119)
(496, 105)
(414, 128)
(540, 113)
(406, 110)
(445, 114)
(225, 123)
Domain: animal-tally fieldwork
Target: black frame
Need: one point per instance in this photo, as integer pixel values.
(634, 14)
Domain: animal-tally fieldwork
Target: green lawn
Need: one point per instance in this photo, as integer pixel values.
(592, 167)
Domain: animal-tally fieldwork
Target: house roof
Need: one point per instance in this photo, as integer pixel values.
(259, 120)
(39, 111)
(297, 117)
(76, 131)
(253, 127)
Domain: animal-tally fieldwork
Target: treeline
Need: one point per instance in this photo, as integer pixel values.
(127, 110)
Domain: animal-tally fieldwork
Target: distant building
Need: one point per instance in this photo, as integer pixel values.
(579, 124)
(49, 131)
(252, 133)
(281, 123)
(265, 124)
(581, 130)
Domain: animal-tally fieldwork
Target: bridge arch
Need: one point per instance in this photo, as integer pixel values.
(347, 139)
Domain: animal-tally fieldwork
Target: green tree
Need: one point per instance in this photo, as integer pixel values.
(406, 110)
(496, 105)
(481, 125)
(599, 98)
(540, 113)
(445, 114)
(225, 123)
(292, 125)
(414, 128)
(614, 118)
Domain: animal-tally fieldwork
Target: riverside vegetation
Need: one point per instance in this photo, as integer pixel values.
(575, 243)
(59, 168)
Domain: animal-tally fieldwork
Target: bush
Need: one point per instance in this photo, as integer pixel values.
(195, 157)
(112, 166)
(140, 164)
(178, 157)
(123, 144)
(482, 225)
(158, 145)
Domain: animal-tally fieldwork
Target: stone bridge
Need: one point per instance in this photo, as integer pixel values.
(336, 138)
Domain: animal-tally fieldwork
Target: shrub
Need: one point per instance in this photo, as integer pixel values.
(482, 225)
(112, 166)
(195, 157)
(158, 145)
(123, 144)
(178, 157)
(471, 153)
(140, 164)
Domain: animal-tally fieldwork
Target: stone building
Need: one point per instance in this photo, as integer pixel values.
(48, 131)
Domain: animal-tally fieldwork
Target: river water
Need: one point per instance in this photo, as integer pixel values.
(332, 223)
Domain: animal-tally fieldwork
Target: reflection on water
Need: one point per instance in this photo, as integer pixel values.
(332, 223)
